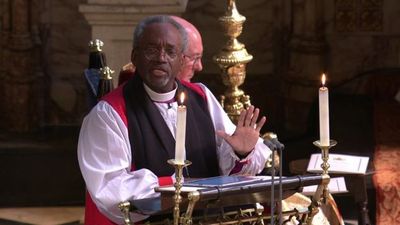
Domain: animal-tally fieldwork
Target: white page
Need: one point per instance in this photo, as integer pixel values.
(336, 185)
(339, 163)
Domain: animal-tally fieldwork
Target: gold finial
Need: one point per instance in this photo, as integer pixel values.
(95, 45)
(106, 73)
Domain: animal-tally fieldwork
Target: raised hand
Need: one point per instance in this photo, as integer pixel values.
(247, 131)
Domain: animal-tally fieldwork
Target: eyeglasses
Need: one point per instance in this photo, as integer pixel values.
(194, 59)
(153, 53)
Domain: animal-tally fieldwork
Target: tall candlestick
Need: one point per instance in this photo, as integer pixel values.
(324, 113)
(180, 131)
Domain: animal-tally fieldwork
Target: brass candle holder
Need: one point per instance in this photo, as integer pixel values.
(178, 185)
(125, 208)
(325, 165)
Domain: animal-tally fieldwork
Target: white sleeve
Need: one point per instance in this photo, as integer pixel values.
(254, 163)
(104, 155)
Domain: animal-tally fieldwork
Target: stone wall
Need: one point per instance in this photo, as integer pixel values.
(44, 51)
(362, 35)
(67, 55)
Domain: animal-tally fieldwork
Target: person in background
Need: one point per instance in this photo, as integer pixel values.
(192, 55)
(127, 138)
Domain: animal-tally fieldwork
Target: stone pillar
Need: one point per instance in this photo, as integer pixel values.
(307, 49)
(20, 96)
(113, 22)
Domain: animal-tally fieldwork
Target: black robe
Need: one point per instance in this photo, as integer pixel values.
(153, 144)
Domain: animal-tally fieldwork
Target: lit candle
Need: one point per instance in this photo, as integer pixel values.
(324, 113)
(180, 131)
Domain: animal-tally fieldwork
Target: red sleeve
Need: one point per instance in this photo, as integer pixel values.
(116, 99)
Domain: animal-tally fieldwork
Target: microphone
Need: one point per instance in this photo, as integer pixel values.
(279, 145)
(269, 144)
(272, 142)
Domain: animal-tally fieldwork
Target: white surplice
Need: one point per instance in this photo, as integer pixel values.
(104, 154)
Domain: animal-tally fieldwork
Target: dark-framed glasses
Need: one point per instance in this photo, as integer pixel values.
(153, 53)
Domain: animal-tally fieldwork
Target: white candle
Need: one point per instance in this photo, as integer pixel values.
(180, 131)
(324, 113)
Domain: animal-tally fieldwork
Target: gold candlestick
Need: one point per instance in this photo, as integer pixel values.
(125, 208)
(178, 185)
(325, 165)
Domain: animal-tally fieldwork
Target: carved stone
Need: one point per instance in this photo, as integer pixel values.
(359, 15)
(20, 96)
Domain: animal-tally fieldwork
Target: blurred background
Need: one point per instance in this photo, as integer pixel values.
(44, 52)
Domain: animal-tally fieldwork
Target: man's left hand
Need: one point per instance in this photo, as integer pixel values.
(247, 131)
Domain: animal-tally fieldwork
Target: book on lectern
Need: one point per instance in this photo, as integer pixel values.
(339, 163)
(219, 181)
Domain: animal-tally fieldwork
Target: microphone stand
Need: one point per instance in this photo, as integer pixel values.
(279, 147)
(275, 145)
(280, 184)
(273, 188)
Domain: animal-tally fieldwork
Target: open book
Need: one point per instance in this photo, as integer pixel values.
(339, 163)
(219, 181)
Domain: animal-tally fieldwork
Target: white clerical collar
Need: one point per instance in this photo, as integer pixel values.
(161, 97)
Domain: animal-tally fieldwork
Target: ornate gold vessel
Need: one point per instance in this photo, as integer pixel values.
(232, 60)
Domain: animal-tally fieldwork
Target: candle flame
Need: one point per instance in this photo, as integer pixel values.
(323, 79)
(182, 98)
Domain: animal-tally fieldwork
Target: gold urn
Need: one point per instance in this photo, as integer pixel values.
(232, 60)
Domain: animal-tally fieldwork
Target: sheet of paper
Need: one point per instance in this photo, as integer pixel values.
(335, 186)
(339, 163)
